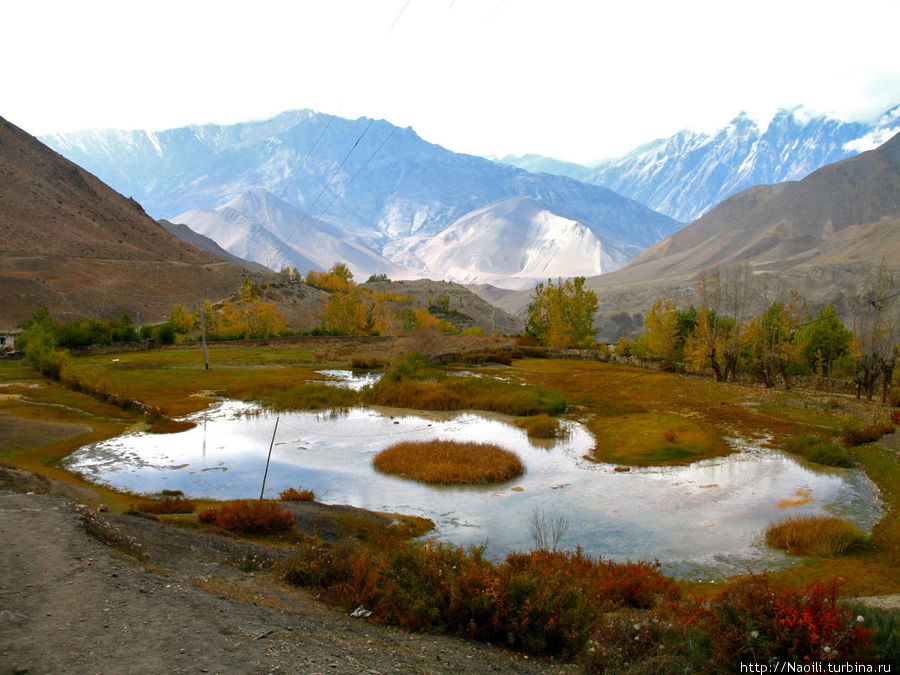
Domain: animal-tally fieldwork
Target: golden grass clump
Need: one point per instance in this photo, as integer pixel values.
(295, 495)
(540, 426)
(449, 462)
(816, 535)
(173, 504)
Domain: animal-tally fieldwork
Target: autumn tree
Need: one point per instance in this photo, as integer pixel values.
(659, 341)
(769, 340)
(561, 314)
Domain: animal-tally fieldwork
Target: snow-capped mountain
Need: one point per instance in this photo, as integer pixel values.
(364, 184)
(687, 174)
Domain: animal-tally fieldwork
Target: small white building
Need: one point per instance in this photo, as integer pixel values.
(8, 339)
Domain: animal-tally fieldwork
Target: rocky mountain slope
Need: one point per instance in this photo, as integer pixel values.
(823, 235)
(378, 189)
(70, 242)
(687, 174)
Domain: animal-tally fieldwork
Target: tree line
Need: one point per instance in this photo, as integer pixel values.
(743, 324)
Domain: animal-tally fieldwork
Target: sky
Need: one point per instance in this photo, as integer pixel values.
(579, 80)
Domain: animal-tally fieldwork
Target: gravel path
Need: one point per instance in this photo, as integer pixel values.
(71, 604)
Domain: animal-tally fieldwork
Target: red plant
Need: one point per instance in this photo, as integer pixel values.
(760, 621)
(249, 516)
(895, 416)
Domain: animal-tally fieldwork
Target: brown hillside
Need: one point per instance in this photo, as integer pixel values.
(70, 242)
(789, 223)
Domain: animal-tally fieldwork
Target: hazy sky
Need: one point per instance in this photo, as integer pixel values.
(578, 80)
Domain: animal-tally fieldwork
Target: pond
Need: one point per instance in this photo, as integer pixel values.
(705, 520)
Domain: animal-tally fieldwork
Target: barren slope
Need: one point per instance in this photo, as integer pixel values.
(75, 245)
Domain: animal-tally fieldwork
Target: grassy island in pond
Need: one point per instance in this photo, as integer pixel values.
(449, 462)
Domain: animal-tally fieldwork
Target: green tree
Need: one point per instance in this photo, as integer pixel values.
(824, 340)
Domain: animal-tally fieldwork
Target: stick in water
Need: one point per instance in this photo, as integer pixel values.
(268, 458)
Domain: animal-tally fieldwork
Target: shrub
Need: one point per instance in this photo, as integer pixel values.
(821, 536)
(249, 516)
(869, 434)
(295, 495)
(895, 416)
(540, 426)
(164, 333)
(885, 627)
(359, 363)
(819, 450)
(752, 621)
(168, 505)
(540, 602)
(755, 620)
(449, 462)
(670, 435)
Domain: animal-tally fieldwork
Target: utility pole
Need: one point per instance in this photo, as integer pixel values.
(203, 338)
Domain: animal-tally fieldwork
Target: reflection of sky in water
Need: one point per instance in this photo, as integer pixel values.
(700, 520)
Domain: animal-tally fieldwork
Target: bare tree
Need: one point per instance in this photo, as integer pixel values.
(547, 530)
(876, 323)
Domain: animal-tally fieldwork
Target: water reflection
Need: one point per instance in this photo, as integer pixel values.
(706, 519)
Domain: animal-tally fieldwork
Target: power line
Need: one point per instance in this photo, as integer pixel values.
(325, 187)
(358, 171)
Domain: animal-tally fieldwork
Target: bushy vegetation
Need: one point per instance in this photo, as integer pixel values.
(859, 436)
(816, 535)
(249, 516)
(167, 505)
(546, 602)
(297, 495)
(819, 450)
(752, 621)
(413, 383)
(540, 426)
(449, 462)
(78, 332)
(303, 396)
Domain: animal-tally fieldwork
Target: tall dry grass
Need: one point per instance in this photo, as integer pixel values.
(815, 535)
(449, 462)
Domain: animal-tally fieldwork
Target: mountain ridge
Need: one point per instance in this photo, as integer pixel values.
(381, 186)
(688, 173)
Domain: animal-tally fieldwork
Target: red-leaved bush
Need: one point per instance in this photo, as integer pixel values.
(249, 516)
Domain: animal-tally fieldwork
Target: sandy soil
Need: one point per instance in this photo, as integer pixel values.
(72, 604)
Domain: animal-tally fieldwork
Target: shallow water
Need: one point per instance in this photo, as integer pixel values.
(705, 520)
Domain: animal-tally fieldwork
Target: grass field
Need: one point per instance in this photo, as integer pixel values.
(638, 417)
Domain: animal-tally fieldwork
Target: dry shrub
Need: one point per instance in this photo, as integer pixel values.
(540, 426)
(249, 516)
(895, 416)
(869, 434)
(670, 435)
(360, 363)
(168, 505)
(449, 462)
(820, 536)
(544, 601)
(295, 495)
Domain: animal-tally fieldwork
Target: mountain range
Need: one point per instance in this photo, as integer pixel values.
(71, 243)
(824, 236)
(307, 190)
(687, 174)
